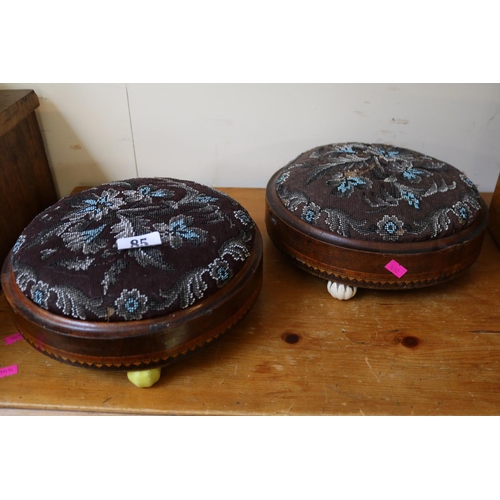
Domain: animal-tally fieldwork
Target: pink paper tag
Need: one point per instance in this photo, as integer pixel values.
(13, 338)
(397, 269)
(7, 371)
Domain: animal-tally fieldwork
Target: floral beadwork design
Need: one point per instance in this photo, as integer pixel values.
(310, 213)
(18, 244)
(345, 183)
(131, 304)
(377, 192)
(390, 228)
(40, 294)
(67, 261)
(97, 206)
(178, 230)
(86, 240)
(243, 217)
(220, 271)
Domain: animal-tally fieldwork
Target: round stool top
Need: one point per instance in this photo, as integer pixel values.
(378, 193)
(67, 260)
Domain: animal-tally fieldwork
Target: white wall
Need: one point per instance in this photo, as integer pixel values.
(240, 134)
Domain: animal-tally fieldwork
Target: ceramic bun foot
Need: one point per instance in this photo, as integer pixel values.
(341, 291)
(144, 378)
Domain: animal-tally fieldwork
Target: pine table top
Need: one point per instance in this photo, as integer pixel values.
(431, 351)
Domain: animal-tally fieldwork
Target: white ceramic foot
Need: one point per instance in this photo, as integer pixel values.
(341, 291)
(144, 378)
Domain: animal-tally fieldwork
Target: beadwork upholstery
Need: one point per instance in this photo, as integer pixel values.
(350, 212)
(67, 260)
(377, 192)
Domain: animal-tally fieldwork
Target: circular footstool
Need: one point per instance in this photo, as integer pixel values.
(134, 274)
(375, 216)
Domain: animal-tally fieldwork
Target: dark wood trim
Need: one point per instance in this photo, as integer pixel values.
(15, 106)
(494, 219)
(139, 344)
(362, 263)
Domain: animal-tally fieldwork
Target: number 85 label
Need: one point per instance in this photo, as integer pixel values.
(143, 240)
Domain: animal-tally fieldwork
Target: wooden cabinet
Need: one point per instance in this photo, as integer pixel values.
(26, 184)
(494, 216)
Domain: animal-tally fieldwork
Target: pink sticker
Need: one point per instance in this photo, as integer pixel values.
(8, 371)
(397, 269)
(13, 338)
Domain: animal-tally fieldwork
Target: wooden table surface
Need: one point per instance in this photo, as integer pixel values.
(433, 351)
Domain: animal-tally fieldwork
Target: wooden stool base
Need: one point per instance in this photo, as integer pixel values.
(142, 344)
(363, 264)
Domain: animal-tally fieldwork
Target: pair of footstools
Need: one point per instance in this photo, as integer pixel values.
(134, 274)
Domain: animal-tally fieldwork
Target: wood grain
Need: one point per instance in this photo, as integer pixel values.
(432, 351)
(15, 106)
(494, 215)
(141, 344)
(361, 263)
(26, 184)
